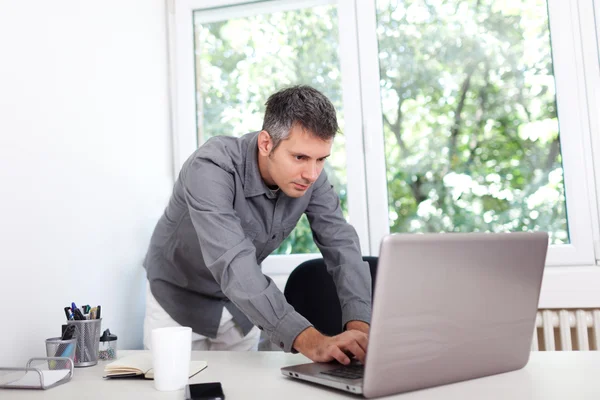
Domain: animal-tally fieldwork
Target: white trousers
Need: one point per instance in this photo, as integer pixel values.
(229, 335)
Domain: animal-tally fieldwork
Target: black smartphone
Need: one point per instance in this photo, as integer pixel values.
(204, 391)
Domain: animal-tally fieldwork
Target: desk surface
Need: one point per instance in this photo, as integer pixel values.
(256, 375)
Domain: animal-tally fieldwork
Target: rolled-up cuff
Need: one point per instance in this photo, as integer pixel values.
(356, 311)
(288, 328)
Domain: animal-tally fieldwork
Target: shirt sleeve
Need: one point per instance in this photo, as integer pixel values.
(339, 244)
(231, 257)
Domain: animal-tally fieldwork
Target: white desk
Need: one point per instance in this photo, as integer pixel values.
(256, 375)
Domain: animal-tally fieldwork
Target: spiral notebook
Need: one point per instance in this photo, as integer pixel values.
(140, 366)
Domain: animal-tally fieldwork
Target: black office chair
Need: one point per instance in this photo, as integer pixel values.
(311, 291)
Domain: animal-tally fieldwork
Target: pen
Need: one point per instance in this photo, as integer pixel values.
(98, 310)
(68, 334)
(68, 313)
(67, 351)
(78, 315)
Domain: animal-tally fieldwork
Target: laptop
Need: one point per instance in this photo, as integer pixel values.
(447, 307)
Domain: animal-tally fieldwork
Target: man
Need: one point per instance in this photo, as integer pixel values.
(235, 201)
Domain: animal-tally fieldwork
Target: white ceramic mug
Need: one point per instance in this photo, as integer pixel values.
(171, 355)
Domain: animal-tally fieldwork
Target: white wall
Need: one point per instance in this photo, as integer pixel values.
(85, 163)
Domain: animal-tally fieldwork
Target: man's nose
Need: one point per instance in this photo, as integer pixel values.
(311, 172)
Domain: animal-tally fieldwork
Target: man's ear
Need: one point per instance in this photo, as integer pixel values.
(265, 143)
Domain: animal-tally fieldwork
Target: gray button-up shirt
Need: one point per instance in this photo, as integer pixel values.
(222, 221)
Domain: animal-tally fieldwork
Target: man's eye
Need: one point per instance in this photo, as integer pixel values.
(299, 158)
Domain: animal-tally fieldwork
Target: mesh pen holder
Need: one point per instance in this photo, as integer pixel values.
(87, 334)
(55, 347)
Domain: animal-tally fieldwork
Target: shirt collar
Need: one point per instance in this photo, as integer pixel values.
(253, 182)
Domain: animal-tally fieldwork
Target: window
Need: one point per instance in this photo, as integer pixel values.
(481, 120)
(470, 119)
(456, 115)
(241, 60)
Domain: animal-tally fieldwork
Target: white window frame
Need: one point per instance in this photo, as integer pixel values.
(577, 286)
(563, 18)
(592, 71)
(574, 277)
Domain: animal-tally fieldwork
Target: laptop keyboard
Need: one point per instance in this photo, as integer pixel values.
(353, 371)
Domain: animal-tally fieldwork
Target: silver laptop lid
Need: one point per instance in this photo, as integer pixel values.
(451, 307)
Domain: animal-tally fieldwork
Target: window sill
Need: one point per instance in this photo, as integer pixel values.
(570, 287)
(285, 264)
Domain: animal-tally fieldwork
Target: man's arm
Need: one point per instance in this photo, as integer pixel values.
(340, 247)
(231, 257)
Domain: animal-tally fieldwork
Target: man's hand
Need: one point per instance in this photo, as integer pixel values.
(358, 325)
(321, 348)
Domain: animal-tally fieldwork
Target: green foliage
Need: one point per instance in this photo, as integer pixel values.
(241, 62)
(468, 99)
(470, 120)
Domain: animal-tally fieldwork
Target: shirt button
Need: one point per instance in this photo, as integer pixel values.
(273, 237)
(281, 345)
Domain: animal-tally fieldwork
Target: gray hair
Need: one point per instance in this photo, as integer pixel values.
(302, 105)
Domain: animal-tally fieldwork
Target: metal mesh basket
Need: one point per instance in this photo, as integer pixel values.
(87, 334)
(55, 347)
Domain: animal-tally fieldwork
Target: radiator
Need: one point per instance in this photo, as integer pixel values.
(566, 330)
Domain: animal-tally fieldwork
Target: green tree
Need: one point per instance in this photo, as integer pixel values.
(470, 118)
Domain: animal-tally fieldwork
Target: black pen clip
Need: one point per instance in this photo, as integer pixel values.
(78, 315)
(68, 333)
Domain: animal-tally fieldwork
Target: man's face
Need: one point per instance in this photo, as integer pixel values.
(297, 162)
